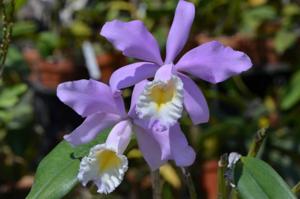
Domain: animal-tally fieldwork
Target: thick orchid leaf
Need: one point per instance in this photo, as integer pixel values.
(256, 179)
(57, 173)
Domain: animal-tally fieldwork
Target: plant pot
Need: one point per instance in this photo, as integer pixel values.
(46, 74)
(209, 178)
(261, 51)
(108, 63)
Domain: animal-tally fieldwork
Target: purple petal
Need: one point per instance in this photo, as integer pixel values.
(129, 75)
(91, 127)
(159, 133)
(120, 136)
(194, 101)
(180, 29)
(119, 102)
(137, 90)
(149, 147)
(165, 72)
(214, 62)
(133, 39)
(162, 138)
(87, 97)
(183, 154)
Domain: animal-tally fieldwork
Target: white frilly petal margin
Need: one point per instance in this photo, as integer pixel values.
(107, 180)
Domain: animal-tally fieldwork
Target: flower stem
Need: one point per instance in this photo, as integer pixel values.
(222, 187)
(155, 177)
(257, 142)
(189, 183)
(296, 188)
(235, 194)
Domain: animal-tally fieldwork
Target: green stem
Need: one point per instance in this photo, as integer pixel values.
(189, 183)
(7, 15)
(155, 178)
(242, 86)
(222, 188)
(257, 142)
(235, 194)
(296, 188)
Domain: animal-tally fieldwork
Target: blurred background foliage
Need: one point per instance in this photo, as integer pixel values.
(46, 49)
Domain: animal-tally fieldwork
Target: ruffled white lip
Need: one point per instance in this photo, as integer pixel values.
(104, 167)
(162, 101)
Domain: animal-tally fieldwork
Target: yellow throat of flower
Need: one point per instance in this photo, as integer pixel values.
(108, 160)
(162, 94)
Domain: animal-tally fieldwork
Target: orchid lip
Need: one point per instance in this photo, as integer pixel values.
(104, 166)
(162, 101)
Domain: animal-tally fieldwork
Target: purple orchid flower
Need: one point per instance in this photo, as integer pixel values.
(103, 109)
(162, 99)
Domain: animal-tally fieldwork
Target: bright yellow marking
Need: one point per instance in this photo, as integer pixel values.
(161, 94)
(108, 160)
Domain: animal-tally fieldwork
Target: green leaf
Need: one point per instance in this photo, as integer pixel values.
(19, 4)
(23, 28)
(292, 95)
(9, 96)
(57, 173)
(47, 43)
(253, 18)
(284, 39)
(256, 179)
(14, 57)
(80, 29)
(291, 9)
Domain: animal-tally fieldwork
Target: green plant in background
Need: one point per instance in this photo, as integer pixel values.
(7, 15)
(239, 106)
(250, 175)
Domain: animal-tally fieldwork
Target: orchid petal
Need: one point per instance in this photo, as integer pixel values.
(180, 29)
(104, 166)
(214, 62)
(87, 97)
(133, 39)
(137, 90)
(159, 133)
(165, 72)
(194, 101)
(161, 101)
(91, 127)
(120, 136)
(149, 147)
(129, 75)
(183, 154)
(119, 102)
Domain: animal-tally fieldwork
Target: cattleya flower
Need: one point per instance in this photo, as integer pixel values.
(162, 98)
(105, 165)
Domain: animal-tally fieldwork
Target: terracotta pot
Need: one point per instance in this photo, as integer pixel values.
(48, 74)
(209, 178)
(108, 63)
(261, 51)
